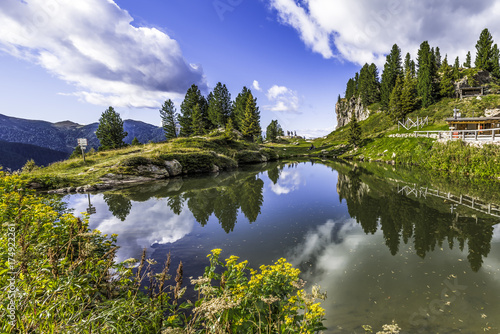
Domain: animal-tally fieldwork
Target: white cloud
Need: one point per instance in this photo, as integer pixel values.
(365, 30)
(92, 45)
(256, 86)
(288, 181)
(283, 99)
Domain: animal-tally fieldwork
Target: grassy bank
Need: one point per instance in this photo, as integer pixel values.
(57, 276)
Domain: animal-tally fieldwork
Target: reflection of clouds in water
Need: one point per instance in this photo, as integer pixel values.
(148, 223)
(329, 245)
(287, 182)
(496, 232)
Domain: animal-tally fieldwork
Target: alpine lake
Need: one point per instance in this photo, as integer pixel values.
(386, 243)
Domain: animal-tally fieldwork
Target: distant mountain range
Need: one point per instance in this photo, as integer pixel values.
(60, 138)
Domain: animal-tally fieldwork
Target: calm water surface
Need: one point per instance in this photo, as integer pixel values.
(387, 244)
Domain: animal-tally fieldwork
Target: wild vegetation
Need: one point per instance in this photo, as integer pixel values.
(59, 277)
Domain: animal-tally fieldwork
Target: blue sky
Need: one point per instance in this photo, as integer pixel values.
(70, 60)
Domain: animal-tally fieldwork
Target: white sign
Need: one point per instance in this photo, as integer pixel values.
(82, 142)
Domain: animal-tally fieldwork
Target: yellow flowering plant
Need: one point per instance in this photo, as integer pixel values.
(238, 299)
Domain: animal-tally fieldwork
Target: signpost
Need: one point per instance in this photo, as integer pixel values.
(91, 209)
(83, 143)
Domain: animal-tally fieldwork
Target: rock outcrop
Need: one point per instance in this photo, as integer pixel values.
(344, 110)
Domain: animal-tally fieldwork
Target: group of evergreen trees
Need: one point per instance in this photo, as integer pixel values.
(405, 86)
(199, 115)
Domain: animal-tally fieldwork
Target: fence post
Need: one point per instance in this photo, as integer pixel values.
(493, 135)
(476, 135)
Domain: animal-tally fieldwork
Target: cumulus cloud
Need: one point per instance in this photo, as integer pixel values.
(288, 182)
(364, 31)
(93, 45)
(256, 86)
(283, 99)
(158, 224)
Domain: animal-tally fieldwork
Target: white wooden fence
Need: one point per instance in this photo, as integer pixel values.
(466, 135)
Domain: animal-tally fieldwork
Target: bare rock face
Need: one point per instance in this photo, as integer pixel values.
(174, 167)
(492, 112)
(153, 170)
(479, 79)
(345, 109)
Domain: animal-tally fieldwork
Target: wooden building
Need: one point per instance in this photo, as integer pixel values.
(473, 123)
(471, 91)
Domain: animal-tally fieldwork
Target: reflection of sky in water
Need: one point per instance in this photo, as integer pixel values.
(148, 223)
(303, 220)
(289, 181)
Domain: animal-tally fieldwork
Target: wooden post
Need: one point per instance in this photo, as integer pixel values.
(475, 135)
(83, 153)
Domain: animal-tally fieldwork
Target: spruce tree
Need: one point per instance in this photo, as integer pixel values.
(250, 126)
(484, 51)
(192, 98)
(110, 130)
(392, 69)
(456, 69)
(350, 89)
(239, 106)
(407, 64)
(273, 130)
(197, 121)
(467, 63)
(408, 95)
(495, 61)
(426, 75)
(438, 57)
(135, 142)
(373, 84)
(395, 106)
(354, 131)
(167, 114)
(446, 86)
(228, 131)
(219, 105)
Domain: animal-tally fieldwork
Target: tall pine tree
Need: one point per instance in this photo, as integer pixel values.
(392, 69)
(197, 121)
(446, 86)
(426, 75)
(468, 61)
(250, 126)
(110, 130)
(167, 114)
(192, 98)
(408, 95)
(495, 61)
(484, 51)
(219, 105)
(239, 107)
(395, 106)
(354, 131)
(456, 69)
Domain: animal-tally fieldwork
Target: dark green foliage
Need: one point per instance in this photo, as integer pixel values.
(110, 130)
(456, 69)
(250, 126)
(229, 130)
(197, 121)
(273, 131)
(437, 55)
(167, 114)
(392, 69)
(446, 85)
(408, 95)
(192, 98)
(395, 106)
(350, 90)
(495, 61)
(239, 107)
(77, 152)
(368, 86)
(467, 63)
(219, 106)
(339, 99)
(484, 51)
(118, 205)
(426, 75)
(135, 142)
(354, 131)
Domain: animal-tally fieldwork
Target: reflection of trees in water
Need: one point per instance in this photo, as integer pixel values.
(224, 202)
(118, 205)
(403, 218)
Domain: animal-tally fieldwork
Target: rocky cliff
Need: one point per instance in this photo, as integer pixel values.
(344, 110)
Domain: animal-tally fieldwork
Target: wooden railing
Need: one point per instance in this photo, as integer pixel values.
(470, 135)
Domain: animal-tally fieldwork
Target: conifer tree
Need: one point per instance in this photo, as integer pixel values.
(250, 126)
(467, 63)
(408, 95)
(392, 69)
(167, 114)
(456, 69)
(228, 131)
(350, 89)
(197, 121)
(395, 106)
(438, 57)
(356, 84)
(239, 106)
(339, 99)
(446, 86)
(110, 130)
(354, 131)
(192, 98)
(407, 64)
(495, 61)
(484, 51)
(220, 105)
(426, 75)
(135, 142)
(373, 84)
